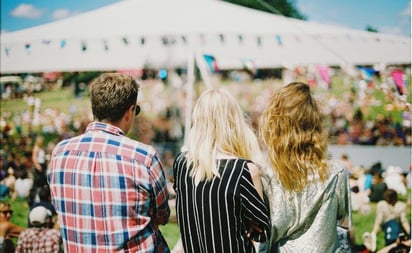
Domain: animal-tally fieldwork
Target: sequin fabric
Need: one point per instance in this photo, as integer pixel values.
(307, 221)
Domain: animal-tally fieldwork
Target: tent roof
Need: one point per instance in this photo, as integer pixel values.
(112, 37)
(160, 17)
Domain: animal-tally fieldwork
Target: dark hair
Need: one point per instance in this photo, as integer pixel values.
(355, 189)
(390, 196)
(44, 193)
(111, 96)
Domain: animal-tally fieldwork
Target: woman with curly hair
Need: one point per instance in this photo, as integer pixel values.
(308, 194)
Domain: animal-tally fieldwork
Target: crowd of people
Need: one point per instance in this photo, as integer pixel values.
(261, 183)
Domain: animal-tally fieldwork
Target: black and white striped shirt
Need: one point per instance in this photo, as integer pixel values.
(215, 215)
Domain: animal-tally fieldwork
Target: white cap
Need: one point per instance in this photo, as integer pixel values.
(39, 215)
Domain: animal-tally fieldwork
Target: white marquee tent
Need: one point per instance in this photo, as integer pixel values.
(132, 34)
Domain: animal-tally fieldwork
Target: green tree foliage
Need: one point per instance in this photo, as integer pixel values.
(79, 77)
(370, 28)
(283, 7)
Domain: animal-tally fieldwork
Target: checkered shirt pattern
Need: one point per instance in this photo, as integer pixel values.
(109, 191)
(39, 240)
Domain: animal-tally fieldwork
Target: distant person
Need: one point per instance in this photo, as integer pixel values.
(8, 230)
(40, 237)
(401, 245)
(394, 179)
(39, 162)
(219, 199)
(45, 201)
(23, 186)
(359, 201)
(378, 185)
(8, 182)
(391, 217)
(347, 163)
(109, 191)
(39, 170)
(309, 195)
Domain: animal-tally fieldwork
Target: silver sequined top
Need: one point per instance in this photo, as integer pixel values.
(306, 221)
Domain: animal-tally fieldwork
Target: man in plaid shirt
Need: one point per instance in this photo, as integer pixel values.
(40, 237)
(109, 191)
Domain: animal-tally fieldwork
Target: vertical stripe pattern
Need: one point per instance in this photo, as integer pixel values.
(215, 215)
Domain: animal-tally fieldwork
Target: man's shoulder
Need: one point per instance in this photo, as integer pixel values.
(140, 147)
(51, 232)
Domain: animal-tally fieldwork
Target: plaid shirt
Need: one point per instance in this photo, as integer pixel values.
(39, 240)
(109, 192)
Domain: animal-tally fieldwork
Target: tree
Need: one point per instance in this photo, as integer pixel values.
(282, 7)
(370, 28)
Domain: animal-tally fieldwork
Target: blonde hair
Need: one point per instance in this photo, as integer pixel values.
(4, 204)
(291, 127)
(218, 126)
(39, 141)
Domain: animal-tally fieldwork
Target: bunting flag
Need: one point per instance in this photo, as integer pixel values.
(367, 75)
(259, 41)
(323, 71)
(125, 41)
(240, 38)
(84, 46)
(222, 38)
(250, 66)
(184, 40)
(27, 46)
(279, 39)
(62, 43)
(211, 63)
(397, 76)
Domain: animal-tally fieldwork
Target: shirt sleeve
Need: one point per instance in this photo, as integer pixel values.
(255, 210)
(160, 193)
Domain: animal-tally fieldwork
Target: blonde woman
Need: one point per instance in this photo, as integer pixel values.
(308, 194)
(219, 202)
(39, 162)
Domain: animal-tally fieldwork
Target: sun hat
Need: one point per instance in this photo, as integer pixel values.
(39, 215)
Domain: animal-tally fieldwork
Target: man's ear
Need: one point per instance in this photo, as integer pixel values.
(130, 113)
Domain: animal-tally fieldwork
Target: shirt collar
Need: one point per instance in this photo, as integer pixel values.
(100, 126)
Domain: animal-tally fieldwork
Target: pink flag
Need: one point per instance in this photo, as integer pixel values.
(324, 73)
(397, 76)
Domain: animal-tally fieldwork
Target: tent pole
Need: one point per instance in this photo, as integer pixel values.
(203, 70)
(189, 96)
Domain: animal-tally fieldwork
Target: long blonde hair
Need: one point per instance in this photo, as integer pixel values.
(218, 126)
(291, 127)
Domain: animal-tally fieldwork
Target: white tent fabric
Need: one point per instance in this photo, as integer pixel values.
(165, 33)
